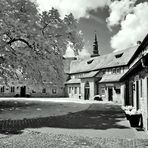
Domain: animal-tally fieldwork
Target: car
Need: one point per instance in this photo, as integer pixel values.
(98, 98)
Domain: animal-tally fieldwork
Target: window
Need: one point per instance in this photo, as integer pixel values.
(103, 71)
(75, 90)
(90, 61)
(3, 89)
(33, 91)
(12, 89)
(44, 90)
(114, 70)
(118, 70)
(69, 89)
(54, 91)
(118, 91)
(79, 90)
(103, 90)
(119, 55)
(141, 88)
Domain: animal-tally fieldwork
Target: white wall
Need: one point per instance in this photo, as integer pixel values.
(72, 93)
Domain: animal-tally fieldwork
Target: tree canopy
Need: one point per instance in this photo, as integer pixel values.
(32, 44)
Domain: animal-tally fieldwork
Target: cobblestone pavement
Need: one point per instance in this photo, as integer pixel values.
(98, 126)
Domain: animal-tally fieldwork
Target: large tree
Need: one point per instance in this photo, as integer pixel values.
(32, 44)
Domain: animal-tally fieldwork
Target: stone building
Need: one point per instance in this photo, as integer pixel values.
(27, 91)
(99, 75)
(136, 80)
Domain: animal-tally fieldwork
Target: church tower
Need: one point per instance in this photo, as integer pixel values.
(95, 48)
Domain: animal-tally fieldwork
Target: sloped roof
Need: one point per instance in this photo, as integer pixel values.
(104, 61)
(141, 47)
(73, 81)
(111, 78)
(89, 74)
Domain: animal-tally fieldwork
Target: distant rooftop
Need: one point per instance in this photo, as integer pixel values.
(114, 59)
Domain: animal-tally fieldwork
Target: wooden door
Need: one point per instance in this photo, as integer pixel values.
(110, 94)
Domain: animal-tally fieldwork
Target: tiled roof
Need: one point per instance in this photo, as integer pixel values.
(104, 61)
(111, 78)
(89, 74)
(73, 81)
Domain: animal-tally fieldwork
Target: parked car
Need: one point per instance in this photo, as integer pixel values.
(98, 98)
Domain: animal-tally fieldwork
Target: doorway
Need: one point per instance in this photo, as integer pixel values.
(23, 91)
(137, 95)
(110, 94)
(87, 91)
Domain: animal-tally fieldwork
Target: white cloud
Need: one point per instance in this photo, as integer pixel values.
(133, 19)
(118, 11)
(69, 51)
(83, 54)
(133, 28)
(77, 7)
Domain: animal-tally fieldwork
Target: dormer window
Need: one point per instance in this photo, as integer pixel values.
(118, 55)
(90, 61)
(44, 90)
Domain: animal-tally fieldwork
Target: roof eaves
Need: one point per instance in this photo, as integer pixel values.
(143, 45)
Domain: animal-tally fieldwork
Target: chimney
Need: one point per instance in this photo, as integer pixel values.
(138, 42)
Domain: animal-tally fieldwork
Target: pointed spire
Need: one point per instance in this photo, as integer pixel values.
(95, 47)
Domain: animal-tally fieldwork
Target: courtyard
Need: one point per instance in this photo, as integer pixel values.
(51, 123)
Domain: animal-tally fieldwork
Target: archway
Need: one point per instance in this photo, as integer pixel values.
(87, 91)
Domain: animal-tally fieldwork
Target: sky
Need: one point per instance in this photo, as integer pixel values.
(118, 24)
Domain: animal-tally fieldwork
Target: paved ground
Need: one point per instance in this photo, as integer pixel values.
(98, 125)
(18, 110)
(62, 100)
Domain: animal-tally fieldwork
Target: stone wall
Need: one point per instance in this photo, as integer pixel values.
(140, 77)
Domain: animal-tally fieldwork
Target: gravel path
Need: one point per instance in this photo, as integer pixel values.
(34, 139)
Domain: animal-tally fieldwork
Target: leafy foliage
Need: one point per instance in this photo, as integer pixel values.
(33, 44)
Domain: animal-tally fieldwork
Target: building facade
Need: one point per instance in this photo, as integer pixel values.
(27, 91)
(99, 75)
(136, 79)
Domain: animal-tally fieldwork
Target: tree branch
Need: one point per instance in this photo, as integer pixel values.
(20, 39)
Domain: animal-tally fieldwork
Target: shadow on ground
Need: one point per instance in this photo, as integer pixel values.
(95, 117)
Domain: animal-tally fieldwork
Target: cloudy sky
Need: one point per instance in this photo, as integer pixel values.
(118, 24)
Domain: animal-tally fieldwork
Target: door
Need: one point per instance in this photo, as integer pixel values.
(110, 94)
(23, 91)
(131, 93)
(87, 91)
(137, 95)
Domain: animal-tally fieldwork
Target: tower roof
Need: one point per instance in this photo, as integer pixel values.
(95, 48)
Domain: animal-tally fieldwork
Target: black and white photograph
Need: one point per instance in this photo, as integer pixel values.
(73, 73)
